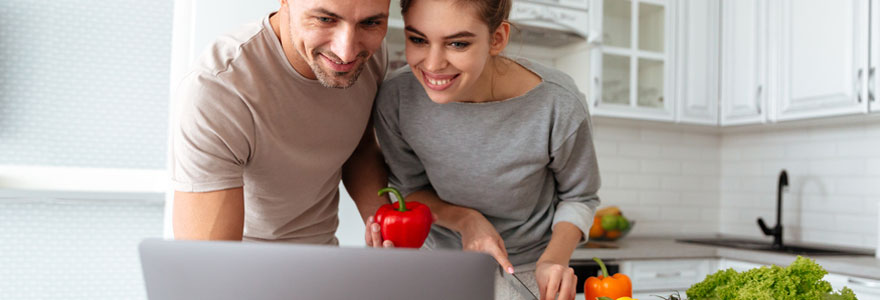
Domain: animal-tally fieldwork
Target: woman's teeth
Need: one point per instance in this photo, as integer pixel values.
(439, 82)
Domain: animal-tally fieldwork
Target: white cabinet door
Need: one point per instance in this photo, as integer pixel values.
(737, 265)
(743, 61)
(697, 72)
(865, 289)
(873, 102)
(820, 57)
(664, 277)
(633, 63)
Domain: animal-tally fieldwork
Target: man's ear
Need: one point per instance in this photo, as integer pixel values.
(283, 3)
(500, 38)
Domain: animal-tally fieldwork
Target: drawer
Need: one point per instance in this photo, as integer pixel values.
(666, 275)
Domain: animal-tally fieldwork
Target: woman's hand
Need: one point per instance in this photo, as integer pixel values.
(373, 235)
(480, 235)
(555, 278)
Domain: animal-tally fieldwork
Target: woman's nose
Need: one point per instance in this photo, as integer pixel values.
(436, 59)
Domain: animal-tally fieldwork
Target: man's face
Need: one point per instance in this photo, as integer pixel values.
(337, 37)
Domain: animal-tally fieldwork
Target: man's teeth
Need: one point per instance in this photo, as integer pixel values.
(439, 82)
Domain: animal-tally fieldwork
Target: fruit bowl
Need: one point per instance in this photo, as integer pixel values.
(610, 228)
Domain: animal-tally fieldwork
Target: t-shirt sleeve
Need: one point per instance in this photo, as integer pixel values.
(407, 173)
(213, 138)
(574, 164)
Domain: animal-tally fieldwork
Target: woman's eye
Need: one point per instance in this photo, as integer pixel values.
(416, 40)
(459, 45)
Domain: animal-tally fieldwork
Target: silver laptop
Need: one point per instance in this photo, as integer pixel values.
(234, 270)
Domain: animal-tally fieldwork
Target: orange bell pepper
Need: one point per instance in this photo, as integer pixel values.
(612, 287)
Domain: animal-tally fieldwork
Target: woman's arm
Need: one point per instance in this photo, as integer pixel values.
(564, 240)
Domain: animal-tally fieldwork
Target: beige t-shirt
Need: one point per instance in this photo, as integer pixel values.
(247, 118)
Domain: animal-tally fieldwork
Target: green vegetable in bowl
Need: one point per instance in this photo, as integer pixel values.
(802, 280)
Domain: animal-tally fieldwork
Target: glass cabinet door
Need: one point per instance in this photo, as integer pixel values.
(633, 54)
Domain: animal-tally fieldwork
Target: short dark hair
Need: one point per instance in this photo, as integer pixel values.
(493, 12)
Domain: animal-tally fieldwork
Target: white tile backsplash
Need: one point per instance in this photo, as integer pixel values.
(833, 175)
(680, 180)
(666, 179)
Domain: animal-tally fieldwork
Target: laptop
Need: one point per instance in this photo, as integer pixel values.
(235, 270)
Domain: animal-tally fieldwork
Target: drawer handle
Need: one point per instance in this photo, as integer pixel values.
(669, 274)
(868, 284)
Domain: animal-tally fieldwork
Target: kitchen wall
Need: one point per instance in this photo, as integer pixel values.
(665, 178)
(834, 177)
(67, 246)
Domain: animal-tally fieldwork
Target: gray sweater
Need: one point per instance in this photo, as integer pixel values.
(525, 163)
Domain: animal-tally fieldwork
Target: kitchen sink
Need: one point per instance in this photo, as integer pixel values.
(768, 246)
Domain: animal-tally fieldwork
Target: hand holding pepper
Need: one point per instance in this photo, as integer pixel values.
(612, 287)
(405, 224)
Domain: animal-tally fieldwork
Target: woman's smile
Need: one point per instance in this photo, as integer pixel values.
(438, 82)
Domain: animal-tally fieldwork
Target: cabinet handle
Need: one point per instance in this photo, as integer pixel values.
(868, 284)
(859, 84)
(669, 274)
(758, 97)
(596, 84)
(871, 84)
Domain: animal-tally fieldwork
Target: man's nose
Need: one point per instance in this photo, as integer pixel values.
(436, 59)
(344, 44)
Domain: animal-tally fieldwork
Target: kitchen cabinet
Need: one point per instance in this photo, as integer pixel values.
(632, 61)
(743, 62)
(874, 57)
(697, 73)
(737, 265)
(665, 277)
(865, 289)
(819, 60)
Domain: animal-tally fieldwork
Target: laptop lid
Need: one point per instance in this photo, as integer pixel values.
(235, 270)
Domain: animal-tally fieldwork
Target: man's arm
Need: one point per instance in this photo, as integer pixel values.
(217, 215)
(365, 173)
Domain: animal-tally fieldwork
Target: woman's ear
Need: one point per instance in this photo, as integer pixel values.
(500, 38)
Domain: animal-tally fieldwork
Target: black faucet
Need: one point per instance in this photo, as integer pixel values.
(776, 232)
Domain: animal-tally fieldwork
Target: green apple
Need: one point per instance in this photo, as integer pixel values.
(610, 222)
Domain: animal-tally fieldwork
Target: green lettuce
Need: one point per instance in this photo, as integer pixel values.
(802, 280)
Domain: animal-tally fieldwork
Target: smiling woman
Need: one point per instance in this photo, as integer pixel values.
(470, 118)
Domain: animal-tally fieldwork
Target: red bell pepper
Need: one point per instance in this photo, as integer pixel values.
(406, 224)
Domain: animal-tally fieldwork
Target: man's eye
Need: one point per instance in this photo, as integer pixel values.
(372, 23)
(416, 40)
(325, 19)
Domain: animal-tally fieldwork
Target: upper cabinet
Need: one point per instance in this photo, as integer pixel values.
(632, 61)
(743, 61)
(819, 58)
(873, 102)
(696, 79)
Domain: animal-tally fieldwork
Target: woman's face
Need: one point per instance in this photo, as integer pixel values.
(447, 47)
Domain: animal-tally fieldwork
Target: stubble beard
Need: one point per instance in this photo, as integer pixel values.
(336, 80)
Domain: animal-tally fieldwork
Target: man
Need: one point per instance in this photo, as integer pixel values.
(271, 120)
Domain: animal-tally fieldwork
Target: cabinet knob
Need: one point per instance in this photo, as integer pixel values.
(871, 84)
(758, 97)
(859, 85)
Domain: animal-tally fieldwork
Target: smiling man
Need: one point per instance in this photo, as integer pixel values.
(273, 117)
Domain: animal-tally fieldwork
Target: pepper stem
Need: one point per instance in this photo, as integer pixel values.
(400, 207)
(601, 265)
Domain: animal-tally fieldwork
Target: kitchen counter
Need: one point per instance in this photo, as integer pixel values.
(634, 248)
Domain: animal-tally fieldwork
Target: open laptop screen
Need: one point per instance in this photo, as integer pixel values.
(235, 270)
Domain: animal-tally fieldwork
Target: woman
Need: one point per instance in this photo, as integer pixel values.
(501, 150)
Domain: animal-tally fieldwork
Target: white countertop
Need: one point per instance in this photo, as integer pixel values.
(634, 248)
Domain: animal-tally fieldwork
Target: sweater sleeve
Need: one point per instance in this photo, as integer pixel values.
(576, 171)
(407, 173)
